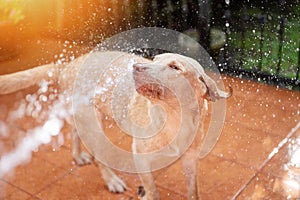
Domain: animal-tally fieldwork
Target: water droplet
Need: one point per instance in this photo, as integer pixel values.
(50, 74)
(103, 98)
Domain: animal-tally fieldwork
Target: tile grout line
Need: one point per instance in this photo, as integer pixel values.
(251, 167)
(54, 181)
(168, 189)
(55, 164)
(232, 121)
(271, 155)
(18, 188)
(236, 162)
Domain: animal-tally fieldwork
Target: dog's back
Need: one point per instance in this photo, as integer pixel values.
(10, 83)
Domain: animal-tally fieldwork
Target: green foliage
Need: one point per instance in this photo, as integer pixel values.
(270, 46)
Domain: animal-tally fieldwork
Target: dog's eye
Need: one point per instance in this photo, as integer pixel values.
(173, 66)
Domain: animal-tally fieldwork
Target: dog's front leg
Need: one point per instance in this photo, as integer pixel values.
(79, 156)
(150, 190)
(189, 163)
(113, 182)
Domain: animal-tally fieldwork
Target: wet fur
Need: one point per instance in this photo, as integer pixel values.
(204, 87)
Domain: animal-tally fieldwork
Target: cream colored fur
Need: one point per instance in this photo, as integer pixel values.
(204, 88)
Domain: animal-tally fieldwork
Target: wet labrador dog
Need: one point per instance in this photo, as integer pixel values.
(149, 79)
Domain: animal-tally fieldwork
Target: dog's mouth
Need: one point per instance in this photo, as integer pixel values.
(151, 90)
(147, 84)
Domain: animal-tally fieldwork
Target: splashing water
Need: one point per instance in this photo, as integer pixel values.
(35, 137)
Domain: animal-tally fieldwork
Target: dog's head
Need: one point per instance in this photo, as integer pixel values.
(151, 78)
(171, 67)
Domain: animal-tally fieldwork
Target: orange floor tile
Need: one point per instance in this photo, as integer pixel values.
(256, 157)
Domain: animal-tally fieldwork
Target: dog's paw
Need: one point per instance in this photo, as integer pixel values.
(141, 192)
(83, 159)
(112, 181)
(142, 195)
(116, 185)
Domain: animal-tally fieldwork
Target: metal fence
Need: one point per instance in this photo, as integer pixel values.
(257, 39)
(262, 41)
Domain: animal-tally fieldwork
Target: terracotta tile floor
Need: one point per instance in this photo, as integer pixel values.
(256, 156)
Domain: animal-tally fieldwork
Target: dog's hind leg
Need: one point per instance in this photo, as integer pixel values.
(79, 156)
(113, 182)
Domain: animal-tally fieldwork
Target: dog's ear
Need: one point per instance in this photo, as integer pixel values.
(205, 90)
(213, 93)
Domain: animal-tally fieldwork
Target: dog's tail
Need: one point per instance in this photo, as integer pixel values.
(20, 80)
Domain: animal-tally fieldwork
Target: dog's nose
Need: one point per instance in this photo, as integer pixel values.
(139, 67)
